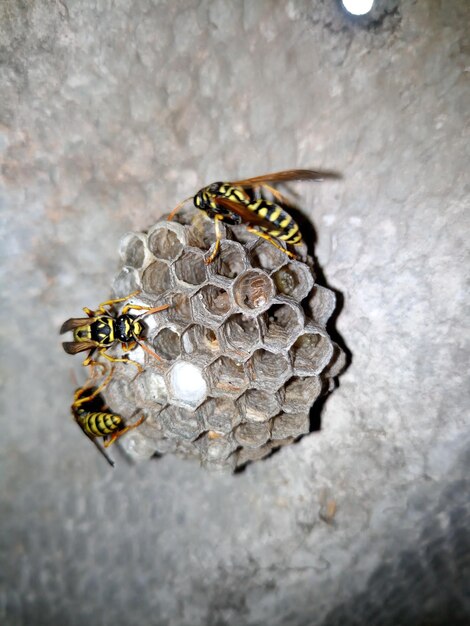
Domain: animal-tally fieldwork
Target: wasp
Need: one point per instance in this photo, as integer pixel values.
(89, 411)
(232, 204)
(103, 328)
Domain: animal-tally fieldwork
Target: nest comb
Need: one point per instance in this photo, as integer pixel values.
(244, 348)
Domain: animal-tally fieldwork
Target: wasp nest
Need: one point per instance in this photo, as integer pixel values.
(244, 350)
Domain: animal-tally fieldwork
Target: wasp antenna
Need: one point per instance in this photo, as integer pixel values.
(177, 208)
(155, 309)
(149, 351)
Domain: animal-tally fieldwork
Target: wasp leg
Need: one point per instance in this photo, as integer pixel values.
(271, 240)
(78, 399)
(94, 364)
(101, 308)
(89, 360)
(115, 436)
(148, 309)
(276, 194)
(218, 236)
(115, 360)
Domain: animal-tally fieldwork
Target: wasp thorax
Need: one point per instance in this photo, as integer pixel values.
(243, 347)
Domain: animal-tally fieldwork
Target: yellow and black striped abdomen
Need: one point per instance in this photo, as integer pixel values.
(283, 226)
(100, 424)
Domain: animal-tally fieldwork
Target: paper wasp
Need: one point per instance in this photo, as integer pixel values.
(103, 328)
(232, 204)
(89, 411)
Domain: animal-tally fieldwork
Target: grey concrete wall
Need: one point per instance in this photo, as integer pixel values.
(111, 112)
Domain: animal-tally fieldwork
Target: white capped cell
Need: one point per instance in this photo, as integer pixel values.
(187, 383)
(358, 7)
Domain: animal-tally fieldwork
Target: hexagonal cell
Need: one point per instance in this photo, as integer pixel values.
(253, 291)
(230, 261)
(268, 369)
(215, 447)
(133, 250)
(226, 377)
(150, 389)
(311, 352)
(201, 232)
(253, 434)
(239, 336)
(220, 414)
(186, 449)
(265, 256)
(138, 445)
(258, 406)
(177, 422)
(337, 362)
(186, 384)
(166, 240)
(290, 425)
(190, 269)
(157, 279)
(321, 304)
(210, 305)
(300, 393)
(200, 342)
(179, 310)
(294, 280)
(119, 395)
(126, 282)
(281, 324)
(166, 344)
(247, 455)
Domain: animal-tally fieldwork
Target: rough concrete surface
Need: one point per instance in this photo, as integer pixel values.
(112, 112)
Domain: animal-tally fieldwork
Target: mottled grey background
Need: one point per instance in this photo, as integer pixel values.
(111, 112)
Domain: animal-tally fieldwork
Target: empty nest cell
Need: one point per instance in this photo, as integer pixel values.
(215, 300)
(265, 256)
(156, 279)
(133, 250)
(258, 406)
(301, 392)
(179, 423)
(179, 310)
(199, 340)
(266, 367)
(227, 377)
(290, 425)
(230, 261)
(167, 344)
(282, 323)
(220, 414)
(253, 434)
(311, 353)
(241, 334)
(190, 268)
(165, 242)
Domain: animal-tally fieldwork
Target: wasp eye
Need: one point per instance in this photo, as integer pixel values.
(214, 188)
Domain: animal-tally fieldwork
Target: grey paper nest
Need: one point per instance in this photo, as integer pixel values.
(244, 349)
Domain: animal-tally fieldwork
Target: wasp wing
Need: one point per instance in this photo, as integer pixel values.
(284, 176)
(74, 347)
(75, 322)
(248, 216)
